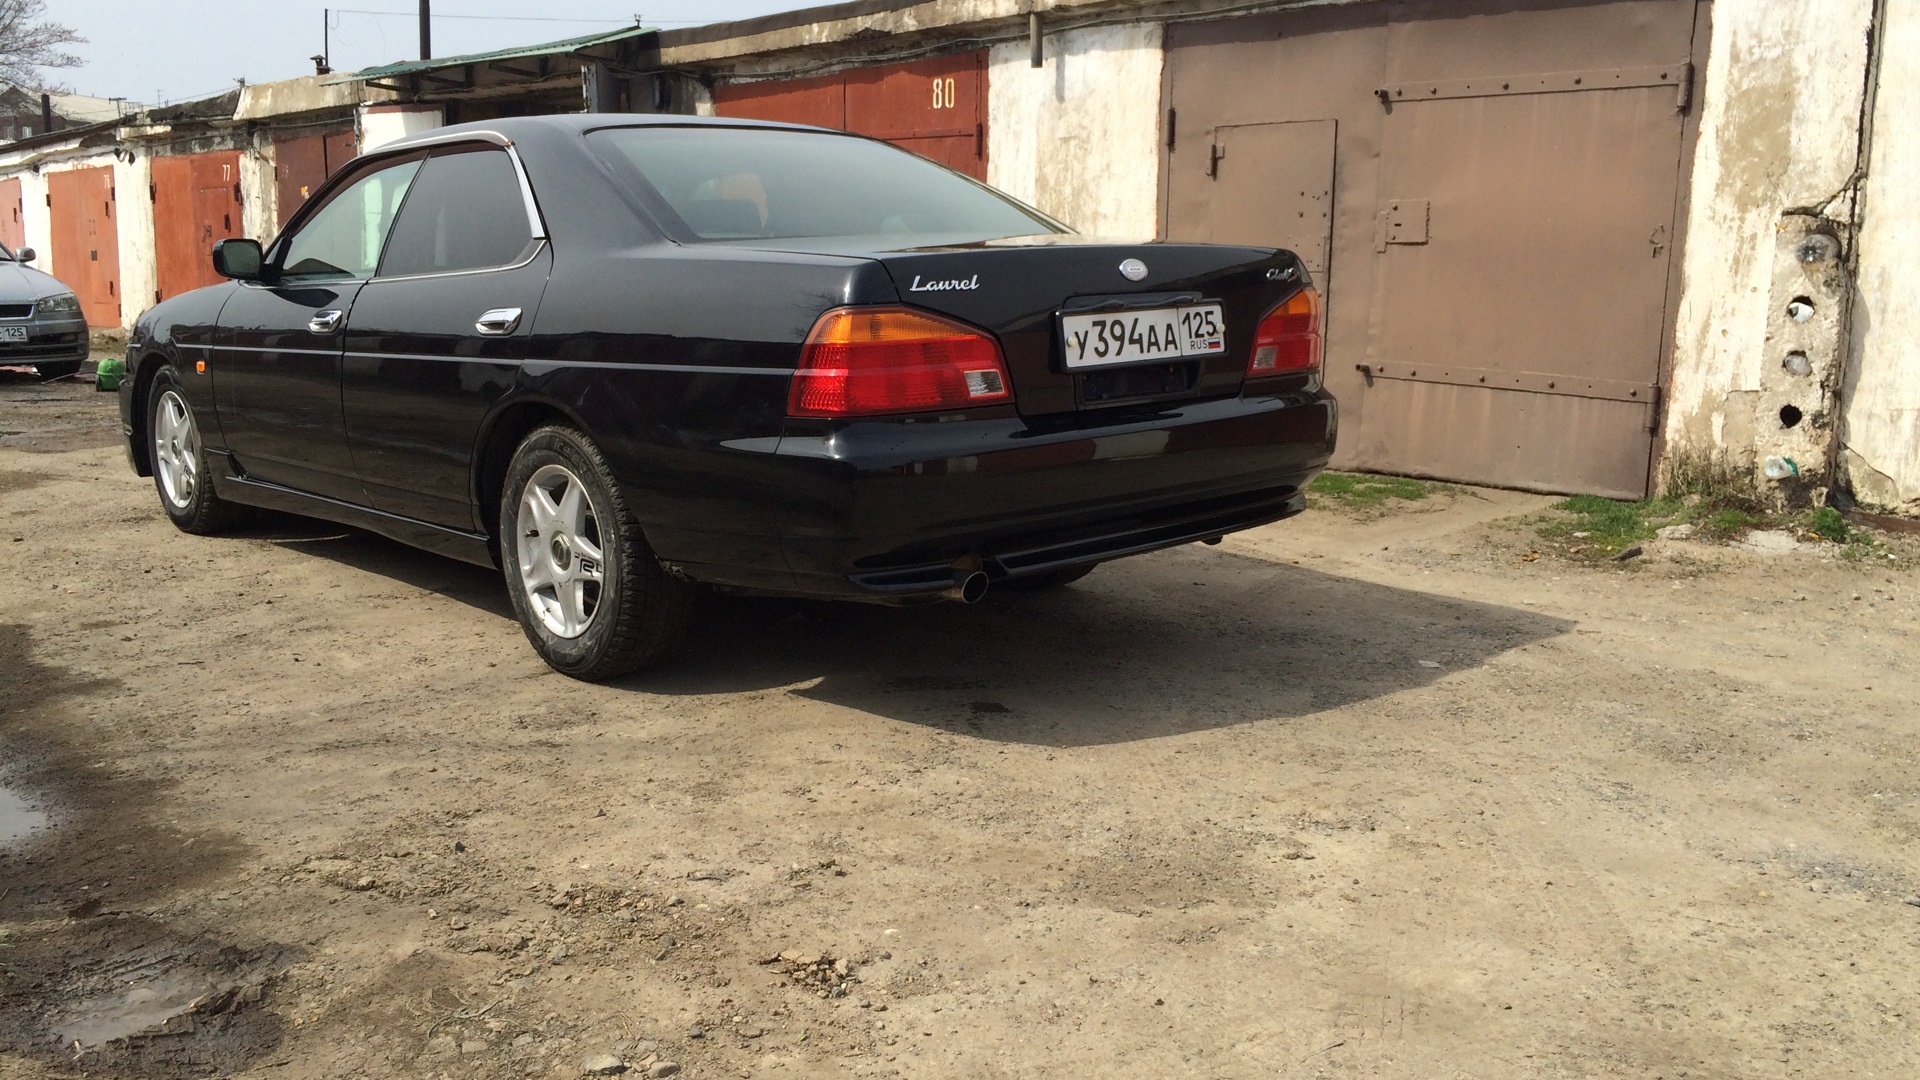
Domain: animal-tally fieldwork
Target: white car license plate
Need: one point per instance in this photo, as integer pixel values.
(13, 333)
(1128, 337)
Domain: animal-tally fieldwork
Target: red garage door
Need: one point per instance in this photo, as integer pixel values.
(935, 107)
(86, 241)
(13, 231)
(196, 201)
(301, 165)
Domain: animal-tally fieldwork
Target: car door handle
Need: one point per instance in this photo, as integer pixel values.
(325, 322)
(498, 322)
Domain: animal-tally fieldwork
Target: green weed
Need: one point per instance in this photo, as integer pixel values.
(1365, 491)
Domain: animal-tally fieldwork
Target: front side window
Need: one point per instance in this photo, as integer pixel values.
(342, 240)
(465, 212)
(728, 183)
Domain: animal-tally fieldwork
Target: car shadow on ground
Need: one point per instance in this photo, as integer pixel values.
(1185, 640)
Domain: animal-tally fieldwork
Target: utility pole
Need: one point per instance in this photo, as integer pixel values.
(426, 30)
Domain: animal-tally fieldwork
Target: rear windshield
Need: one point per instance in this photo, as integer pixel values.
(743, 183)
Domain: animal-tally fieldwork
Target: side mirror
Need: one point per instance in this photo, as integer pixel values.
(26, 255)
(241, 260)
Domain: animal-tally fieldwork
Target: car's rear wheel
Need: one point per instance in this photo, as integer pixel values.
(586, 587)
(1052, 579)
(50, 372)
(180, 462)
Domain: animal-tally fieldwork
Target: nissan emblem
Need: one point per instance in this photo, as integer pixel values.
(1133, 270)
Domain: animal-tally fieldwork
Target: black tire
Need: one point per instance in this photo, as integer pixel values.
(60, 370)
(189, 500)
(639, 613)
(1052, 579)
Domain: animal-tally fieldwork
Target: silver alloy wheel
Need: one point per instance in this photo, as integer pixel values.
(561, 565)
(176, 450)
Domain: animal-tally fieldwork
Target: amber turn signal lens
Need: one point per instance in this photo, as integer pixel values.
(1288, 339)
(880, 361)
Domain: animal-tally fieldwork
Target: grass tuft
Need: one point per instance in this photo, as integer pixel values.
(1365, 491)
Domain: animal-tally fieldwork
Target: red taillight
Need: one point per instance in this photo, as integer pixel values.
(1288, 340)
(875, 361)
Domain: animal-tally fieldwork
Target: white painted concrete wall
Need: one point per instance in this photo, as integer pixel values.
(1880, 436)
(1781, 105)
(1079, 137)
(378, 125)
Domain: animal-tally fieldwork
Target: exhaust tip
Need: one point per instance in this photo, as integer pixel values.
(969, 588)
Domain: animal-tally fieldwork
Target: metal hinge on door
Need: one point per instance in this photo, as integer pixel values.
(1404, 221)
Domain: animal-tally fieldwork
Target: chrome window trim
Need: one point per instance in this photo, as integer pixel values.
(533, 252)
(535, 223)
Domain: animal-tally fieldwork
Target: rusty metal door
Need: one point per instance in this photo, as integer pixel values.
(821, 102)
(86, 240)
(1270, 184)
(935, 107)
(196, 202)
(1506, 204)
(302, 164)
(1524, 237)
(13, 230)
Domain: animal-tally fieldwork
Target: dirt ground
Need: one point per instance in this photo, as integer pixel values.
(1351, 796)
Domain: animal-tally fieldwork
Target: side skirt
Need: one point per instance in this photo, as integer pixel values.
(467, 547)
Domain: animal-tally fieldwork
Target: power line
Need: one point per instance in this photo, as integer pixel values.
(516, 18)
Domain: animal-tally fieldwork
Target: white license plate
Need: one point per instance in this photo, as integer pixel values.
(13, 333)
(1128, 337)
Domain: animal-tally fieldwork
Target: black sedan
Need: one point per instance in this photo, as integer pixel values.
(626, 358)
(40, 322)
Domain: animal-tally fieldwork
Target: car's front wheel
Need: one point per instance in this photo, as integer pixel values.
(586, 587)
(180, 462)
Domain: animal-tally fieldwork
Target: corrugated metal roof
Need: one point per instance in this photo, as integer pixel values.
(551, 48)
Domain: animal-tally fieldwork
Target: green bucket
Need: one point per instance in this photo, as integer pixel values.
(108, 373)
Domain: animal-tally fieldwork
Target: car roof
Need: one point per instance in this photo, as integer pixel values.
(515, 128)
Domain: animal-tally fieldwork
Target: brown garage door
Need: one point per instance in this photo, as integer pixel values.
(13, 230)
(935, 107)
(196, 201)
(302, 164)
(1496, 193)
(86, 240)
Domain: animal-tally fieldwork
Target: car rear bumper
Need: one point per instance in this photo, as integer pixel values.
(896, 511)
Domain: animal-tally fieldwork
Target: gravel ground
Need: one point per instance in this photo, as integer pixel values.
(1347, 796)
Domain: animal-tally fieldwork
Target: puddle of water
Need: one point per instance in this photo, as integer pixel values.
(143, 1007)
(17, 819)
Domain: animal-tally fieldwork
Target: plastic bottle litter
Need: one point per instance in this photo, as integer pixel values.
(1779, 468)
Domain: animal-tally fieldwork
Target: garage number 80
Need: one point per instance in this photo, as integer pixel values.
(943, 93)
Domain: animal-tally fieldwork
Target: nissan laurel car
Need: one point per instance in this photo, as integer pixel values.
(41, 326)
(629, 358)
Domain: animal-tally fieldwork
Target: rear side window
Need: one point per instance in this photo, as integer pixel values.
(465, 212)
(728, 183)
(342, 239)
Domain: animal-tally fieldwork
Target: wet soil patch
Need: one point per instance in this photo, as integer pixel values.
(53, 417)
(92, 975)
(126, 996)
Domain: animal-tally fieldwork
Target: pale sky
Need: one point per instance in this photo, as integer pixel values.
(174, 50)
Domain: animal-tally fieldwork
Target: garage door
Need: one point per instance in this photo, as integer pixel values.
(196, 201)
(13, 231)
(1490, 198)
(86, 240)
(935, 107)
(302, 164)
